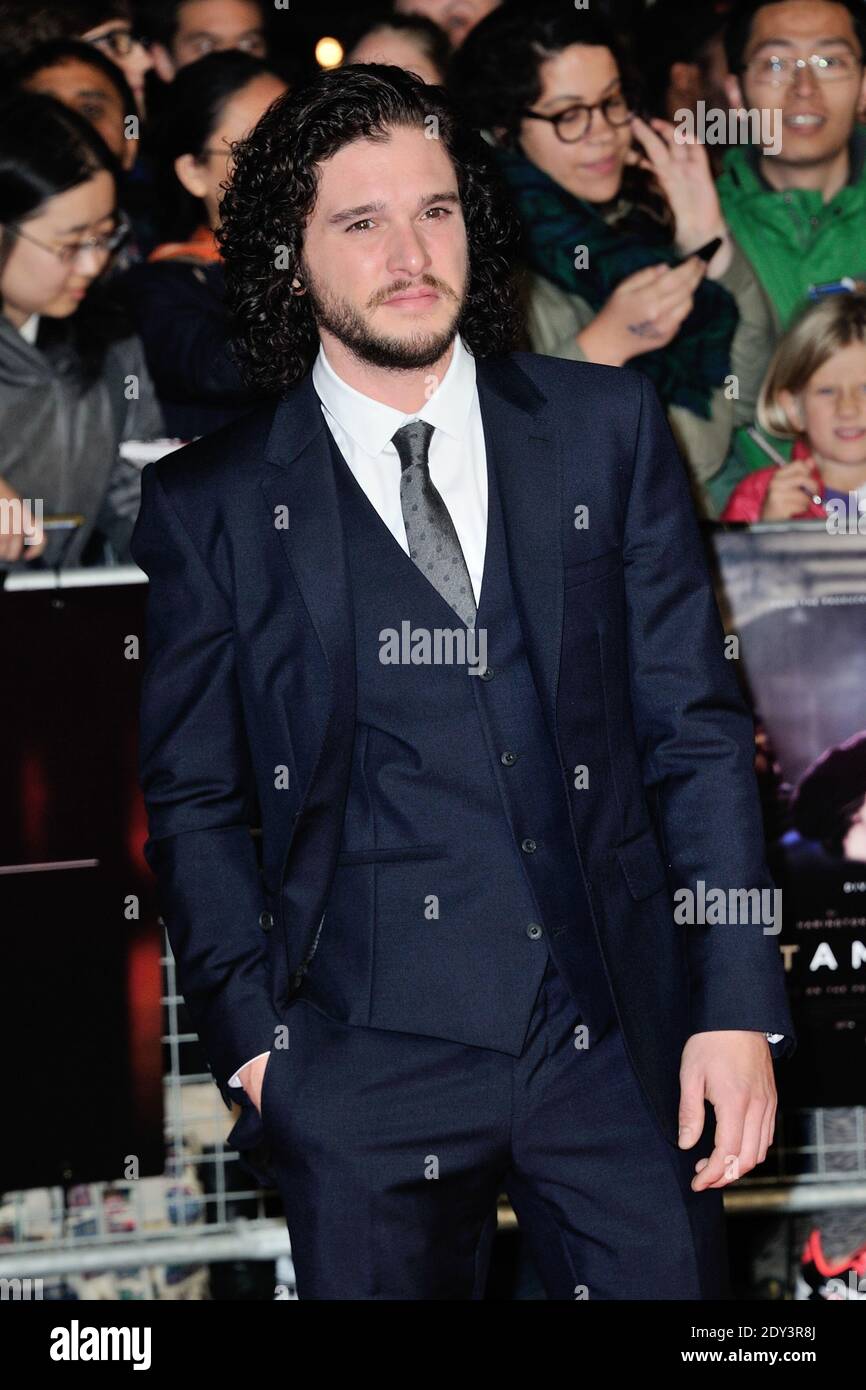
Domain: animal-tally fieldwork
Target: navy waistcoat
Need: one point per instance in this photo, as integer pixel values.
(457, 870)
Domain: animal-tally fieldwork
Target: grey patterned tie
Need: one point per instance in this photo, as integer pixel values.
(433, 541)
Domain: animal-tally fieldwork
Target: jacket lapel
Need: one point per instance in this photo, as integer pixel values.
(301, 480)
(521, 444)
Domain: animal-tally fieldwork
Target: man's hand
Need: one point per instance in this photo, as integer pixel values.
(733, 1070)
(252, 1078)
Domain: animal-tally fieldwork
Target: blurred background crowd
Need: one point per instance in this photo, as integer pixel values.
(688, 178)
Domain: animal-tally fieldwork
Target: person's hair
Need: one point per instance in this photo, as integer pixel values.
(429, 37)
(273, 193)
(739, 27)
(191, 109)
(23, 24)
(819, 332)
(46, 149)
(675, 31)
(57, 52)
(496, 72)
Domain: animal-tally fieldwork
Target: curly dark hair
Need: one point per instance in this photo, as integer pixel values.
(273, 191)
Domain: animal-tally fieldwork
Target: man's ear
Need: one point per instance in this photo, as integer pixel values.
(793, 409)
(190, 174)
(163, 62)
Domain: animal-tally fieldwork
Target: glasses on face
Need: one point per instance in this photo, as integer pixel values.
(573, 123)
(248, 43)
(776, 71)
(74, 250)
(120, 42)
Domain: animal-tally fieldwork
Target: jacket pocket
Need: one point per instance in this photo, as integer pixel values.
(390, 856)
(642, 865)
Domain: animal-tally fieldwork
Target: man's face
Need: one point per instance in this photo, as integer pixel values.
(93, 95)
(385, 254)
(456, 17)
(818, 116)
(209, 26)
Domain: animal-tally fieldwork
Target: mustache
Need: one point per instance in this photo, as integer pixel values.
(427, 281)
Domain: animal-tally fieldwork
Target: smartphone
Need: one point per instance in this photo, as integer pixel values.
(708, 250)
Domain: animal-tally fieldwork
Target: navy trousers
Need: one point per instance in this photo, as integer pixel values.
(391, 1149)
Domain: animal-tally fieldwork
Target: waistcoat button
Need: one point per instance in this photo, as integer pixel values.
(528, 846)
(533, 931)
(509, 759)
(266, 921)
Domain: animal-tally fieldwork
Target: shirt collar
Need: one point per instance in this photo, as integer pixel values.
(30, 328)
(371, 424)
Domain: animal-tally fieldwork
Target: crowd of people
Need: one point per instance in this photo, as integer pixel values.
(731, 272)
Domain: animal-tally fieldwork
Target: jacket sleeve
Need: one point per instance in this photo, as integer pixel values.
(196, 777)
(695, 737)
(754, 338)
(186, 334)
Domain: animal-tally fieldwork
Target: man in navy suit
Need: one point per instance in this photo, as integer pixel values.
(438, 621)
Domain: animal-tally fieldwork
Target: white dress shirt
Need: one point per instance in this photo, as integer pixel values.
(363, 430)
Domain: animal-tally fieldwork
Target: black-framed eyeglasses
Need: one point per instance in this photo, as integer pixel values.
(573, 123)
(73, 250)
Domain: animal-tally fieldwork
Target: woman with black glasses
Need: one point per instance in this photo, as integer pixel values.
(612, 210)
(73, 379)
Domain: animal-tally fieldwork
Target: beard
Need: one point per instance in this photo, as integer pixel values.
(423, 348)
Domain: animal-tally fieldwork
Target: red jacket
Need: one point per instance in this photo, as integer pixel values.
(747, 499)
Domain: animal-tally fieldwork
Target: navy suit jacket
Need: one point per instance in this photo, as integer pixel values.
(626, 647)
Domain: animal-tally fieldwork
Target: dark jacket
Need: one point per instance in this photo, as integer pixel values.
(179, 313)
(250, 667)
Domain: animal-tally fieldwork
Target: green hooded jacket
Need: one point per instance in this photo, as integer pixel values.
(794, 239)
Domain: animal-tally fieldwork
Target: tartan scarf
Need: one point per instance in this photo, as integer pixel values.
(555, 222)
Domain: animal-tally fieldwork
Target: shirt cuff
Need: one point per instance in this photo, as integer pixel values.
(235, 1080)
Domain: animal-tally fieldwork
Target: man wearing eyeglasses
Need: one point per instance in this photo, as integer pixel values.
(194, 28)
(799, 215)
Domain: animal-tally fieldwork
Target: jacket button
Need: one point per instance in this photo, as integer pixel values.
(534, 931)
(528, 846)
(487, 673)
(266, 921)
(509, 759)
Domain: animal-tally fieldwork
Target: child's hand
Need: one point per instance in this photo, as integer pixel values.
(791, 488)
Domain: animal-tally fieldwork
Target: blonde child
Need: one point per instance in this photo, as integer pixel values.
(814, 394)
